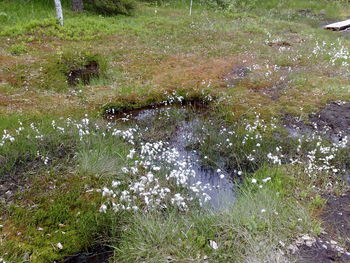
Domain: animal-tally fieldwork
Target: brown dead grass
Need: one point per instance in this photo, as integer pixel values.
(195, 71)
(29, 102)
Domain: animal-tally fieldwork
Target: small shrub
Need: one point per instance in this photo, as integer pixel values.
(80, 27)
(317, 202)
(113, 7)
(3, 17)
(18, 49)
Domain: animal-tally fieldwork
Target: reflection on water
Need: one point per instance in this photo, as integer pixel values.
(218, 185)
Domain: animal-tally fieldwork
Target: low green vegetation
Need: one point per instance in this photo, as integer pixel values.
(64, 171)
(251, 231)
(112, 7)
(71, 162)
(72, 182)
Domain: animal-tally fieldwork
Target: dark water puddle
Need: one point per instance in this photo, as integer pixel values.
(112, 112)
(97, 255)
(216, 184)
(219, 185)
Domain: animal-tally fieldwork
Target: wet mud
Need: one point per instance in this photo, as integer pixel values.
(336, 217)
(96, 255)
(321, 252)
(333, 122)
(336, 222)
(84, 74)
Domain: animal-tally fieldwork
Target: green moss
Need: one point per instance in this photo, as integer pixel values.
(53, 72)
(59, 206)
(18, 49)
(113, 7)
(82, 28)
(64, 217)
(137, 98)
(65, 214)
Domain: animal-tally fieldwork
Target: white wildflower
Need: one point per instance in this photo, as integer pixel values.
(103, 208)
(213, 244)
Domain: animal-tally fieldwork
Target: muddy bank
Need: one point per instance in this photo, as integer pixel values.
(336, 217)
(322, 251)
(333, 122)
(95, 255)
(83, 74)
(113, 111)
(336, 222)
(334, 119)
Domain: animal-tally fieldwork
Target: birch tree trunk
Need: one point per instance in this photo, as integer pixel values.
(77, 5)
(59, 13)
(191, 7)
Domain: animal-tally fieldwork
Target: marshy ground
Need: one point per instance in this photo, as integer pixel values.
(164, 137)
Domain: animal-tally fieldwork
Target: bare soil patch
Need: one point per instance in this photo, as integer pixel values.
(279, 44)
(335, 118)
(333, 121)
(336, 221)
(237, 74)
(84, 74)
(96, 255)
(336, 217)
(321, 252)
